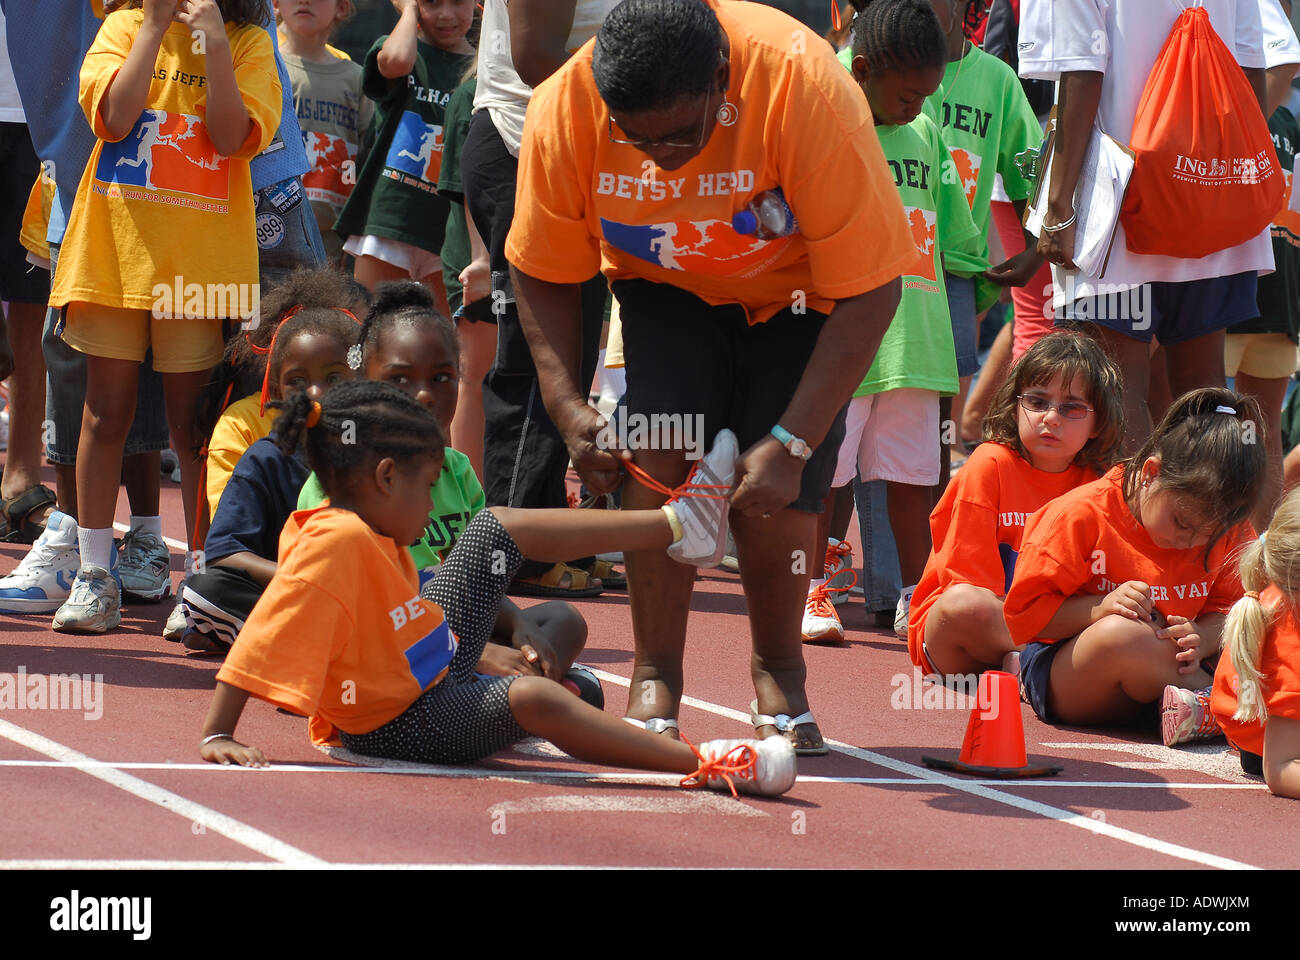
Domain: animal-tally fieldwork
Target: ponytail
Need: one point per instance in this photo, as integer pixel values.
(1243, 635)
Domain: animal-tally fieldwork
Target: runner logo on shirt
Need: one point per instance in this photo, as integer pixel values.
(968, 171)
(166, 151)
(922, 223)
(711, 247)
(416, 149)
(329, 156)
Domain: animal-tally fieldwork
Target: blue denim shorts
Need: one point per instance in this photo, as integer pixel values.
(287, 234)
(965, 334)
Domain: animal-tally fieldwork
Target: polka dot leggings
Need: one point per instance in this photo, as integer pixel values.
(466, 717)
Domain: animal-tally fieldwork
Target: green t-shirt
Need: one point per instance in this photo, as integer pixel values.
(845, 57)
(457, 497)
(455, 248)
(917, 350)
(396, 191)
(986, 120)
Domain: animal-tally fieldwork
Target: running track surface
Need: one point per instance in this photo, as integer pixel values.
(129, 790)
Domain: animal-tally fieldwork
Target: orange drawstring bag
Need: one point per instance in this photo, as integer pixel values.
(1206, 176)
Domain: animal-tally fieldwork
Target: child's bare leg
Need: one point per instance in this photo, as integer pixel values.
(370, 272)
(1106, 674)
(478, 345)
(909, 516)
(965, 631)
(1282, 756)
(546, 709)
(105, 422)
(142, 477)
(560, 533)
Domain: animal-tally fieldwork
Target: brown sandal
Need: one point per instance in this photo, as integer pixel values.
(581, 584)
(16, 525)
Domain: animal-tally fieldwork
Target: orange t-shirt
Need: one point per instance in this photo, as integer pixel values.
(341, 634)
(1089, 542)
(1279, 662)
(584, 203)
(977, 526)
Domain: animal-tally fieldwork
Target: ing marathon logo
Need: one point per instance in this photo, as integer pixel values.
(710, 247)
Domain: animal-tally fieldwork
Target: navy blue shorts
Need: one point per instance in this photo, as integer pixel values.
(1036, 674)
(961, 310)
(1167, 311)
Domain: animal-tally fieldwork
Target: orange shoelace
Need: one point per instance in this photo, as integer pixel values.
(725, 766)
(819, 600)
(687, 488)
(1206, 722)
(834, 553)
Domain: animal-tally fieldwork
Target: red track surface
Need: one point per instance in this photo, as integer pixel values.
(1122, 801)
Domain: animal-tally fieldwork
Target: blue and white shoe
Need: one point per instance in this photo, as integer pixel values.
(43, 578)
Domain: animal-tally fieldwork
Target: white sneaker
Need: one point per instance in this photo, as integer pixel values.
(94, 604)
(902, 612)
(765, 767)
(821, 624)
(839, 569)
(145, 567)
(43, 578)
(703, 516)
(175, 627)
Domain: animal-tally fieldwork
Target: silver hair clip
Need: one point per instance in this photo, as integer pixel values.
(1222, 409)
(354, 357)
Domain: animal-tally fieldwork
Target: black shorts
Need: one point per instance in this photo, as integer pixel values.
(684, 356)
(1036, 674)
(20, 282)
(488, 172)
(1168, 311)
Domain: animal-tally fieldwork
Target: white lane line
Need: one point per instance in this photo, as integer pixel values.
(269, 865)
(542, 776)
(979, 790)
(177, 545)
(697, 803)
(241, 833)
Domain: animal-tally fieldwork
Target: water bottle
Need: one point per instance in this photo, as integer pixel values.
(766, 216)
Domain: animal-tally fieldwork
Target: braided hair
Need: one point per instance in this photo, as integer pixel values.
(360, 423)
(653, 54)
(897, 35)
(403, 304)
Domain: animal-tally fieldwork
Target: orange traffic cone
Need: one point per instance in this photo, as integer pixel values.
(994, 746)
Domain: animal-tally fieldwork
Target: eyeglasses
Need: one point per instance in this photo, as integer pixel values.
(646, 144)
(1071, 409)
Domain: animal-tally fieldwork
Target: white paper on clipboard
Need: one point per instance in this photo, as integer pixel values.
(1098, 198)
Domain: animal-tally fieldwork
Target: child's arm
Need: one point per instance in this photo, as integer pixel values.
(397, 56)
(227, 118)
(1131, 599)
(128, 92)
(1196, 639)
(259, 568)
(1282, 756)
(227, 704)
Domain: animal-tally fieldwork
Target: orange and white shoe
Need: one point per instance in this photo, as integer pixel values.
(821, 624)
(764, 767)
(839, 569)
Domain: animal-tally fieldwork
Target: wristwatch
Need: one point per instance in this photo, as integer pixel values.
(793, 445)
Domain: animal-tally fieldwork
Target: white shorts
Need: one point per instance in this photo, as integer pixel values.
(891, 436)
(416, 262)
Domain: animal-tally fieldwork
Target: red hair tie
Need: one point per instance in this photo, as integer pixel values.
(835, 15)
(268, 350)
(313, 418)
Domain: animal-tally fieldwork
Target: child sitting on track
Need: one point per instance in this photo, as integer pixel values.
(342, 636)
(1256, 696)
(1055, 423)
(1122, 585)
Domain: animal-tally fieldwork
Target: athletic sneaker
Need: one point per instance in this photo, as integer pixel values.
(174, 630)
(43, 578)
(839, 569)
(700, 505)
(1185, 716)
(145, 567)
(821, 624)
(94, 605)
(902, 612)
(729, 561)
(585, 685)
(765, 767)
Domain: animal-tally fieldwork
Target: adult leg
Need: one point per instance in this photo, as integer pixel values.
(1195, 363)
(909, 517)
(1134, 361)
(26, 403)
(996, 368)
(1270, 392)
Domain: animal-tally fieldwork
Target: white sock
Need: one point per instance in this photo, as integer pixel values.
(814, 584)
(616, 377)
(96, 547)
(147, 525)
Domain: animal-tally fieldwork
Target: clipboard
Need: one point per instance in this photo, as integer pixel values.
(1098, 199)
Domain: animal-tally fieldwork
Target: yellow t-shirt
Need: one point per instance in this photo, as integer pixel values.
(796, 122)
(161, 203)
(36, 217)
(240, 426)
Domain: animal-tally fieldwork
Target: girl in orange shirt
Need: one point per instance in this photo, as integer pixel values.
(1256, 697)
(342, 636)
(1122, 585)
(1055, 423)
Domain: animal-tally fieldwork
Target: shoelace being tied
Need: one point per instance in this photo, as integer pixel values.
(724, 766)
